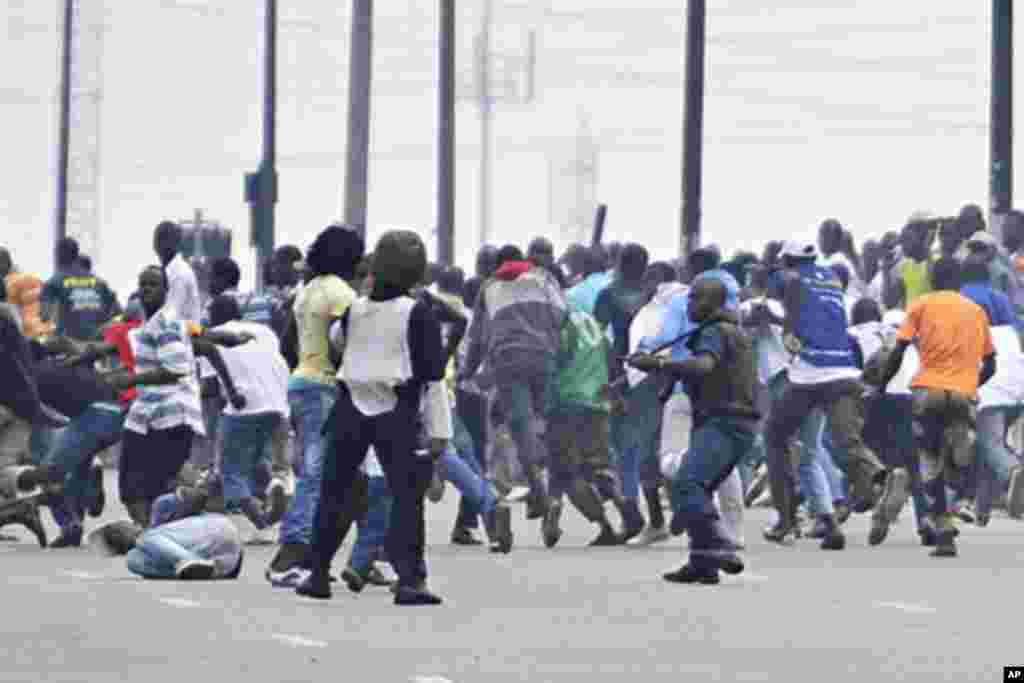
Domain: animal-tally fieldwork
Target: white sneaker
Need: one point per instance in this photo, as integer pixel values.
(651, 535)
(289, 578)
(518, 494)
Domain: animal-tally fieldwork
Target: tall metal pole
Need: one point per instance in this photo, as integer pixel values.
(261, 187)
(64, 136)
(486, 115)
(693, 129)
(358, 146)
(446, 135)
(1001, 113)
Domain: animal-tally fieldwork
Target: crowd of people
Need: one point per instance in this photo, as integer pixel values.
(355, 385)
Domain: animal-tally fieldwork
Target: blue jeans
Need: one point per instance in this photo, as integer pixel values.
(311, 404)
(373, 528)
(716, 447)
(462, 444)
(155, 555)
(815, 483)
(476, 491)
(73, 448)
(245, 442)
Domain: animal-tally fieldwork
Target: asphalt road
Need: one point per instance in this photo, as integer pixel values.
(568, 614)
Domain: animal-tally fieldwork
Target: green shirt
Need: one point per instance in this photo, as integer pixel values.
(916, 279)
(582, 365)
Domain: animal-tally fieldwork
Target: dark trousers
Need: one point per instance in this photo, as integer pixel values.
(150, 462)
(394, 437)
(843, 406)
(716, 447)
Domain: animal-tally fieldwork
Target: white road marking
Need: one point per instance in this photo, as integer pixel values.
(82, 576)
(906, 607)
(429, 679)
(752, 578)
(297, 641)
(179, 602)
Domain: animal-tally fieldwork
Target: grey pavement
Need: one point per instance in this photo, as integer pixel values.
(568, 614)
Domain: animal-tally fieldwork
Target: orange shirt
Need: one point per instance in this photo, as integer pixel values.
(24, 291)
(952, 336)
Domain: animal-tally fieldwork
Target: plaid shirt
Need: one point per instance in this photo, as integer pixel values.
(164, 342)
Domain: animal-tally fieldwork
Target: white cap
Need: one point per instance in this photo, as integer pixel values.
(798, 249)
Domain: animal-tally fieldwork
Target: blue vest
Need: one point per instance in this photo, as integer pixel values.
(823, 324)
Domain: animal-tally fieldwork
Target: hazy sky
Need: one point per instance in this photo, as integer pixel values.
(866, 111)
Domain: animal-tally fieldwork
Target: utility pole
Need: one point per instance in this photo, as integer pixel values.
(261, 186)
(357, 148)
(516, 85)
(64, 135)
(1001, 115)
(483, 48)
(77, 211)
(446, 135)
(693, 130)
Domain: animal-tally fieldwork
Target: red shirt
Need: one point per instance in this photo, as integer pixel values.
(118, 335)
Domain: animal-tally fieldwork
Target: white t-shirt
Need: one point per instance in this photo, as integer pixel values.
(258, 369)
(183, 290)
(1006, 388)
(772, 357)
(648, 323)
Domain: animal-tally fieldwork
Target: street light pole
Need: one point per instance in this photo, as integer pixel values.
(446, 136)
(486, 116)
(64, 135)
(357, 148)
(693, 129)
(1001, 114)
(261, 187)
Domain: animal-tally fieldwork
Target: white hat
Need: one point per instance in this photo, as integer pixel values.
(799, 249)
(983, 237)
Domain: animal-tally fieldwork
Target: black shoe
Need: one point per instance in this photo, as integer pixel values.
(463, 536)
(99, 501)
(316, 586)
(633, 521)
(550, 528)
(842, 512)
(879, 530)
(195, 570)
(353, 579)
(677, 527)
(28, 517)
(983, 519)
(607, 537)
(927, 535)
(536, 506)
(728, 561)
(69, 538)
(834, 539)
(288, 556)
(944, 548)
(819, 530)
(783, 533)
(687, 574)
(407, 595)
(501, 532)
(277, 503)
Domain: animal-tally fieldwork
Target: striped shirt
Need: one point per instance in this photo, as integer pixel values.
(164, 342)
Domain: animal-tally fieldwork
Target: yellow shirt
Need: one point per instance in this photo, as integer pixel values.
(321, 300)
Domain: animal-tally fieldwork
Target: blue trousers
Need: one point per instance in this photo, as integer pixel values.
(245, 440)
(716, 447)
